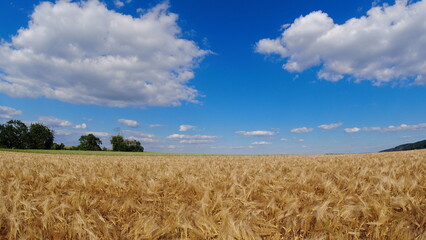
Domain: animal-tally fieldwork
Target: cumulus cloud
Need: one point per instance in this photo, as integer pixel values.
(54, 122)
(66, 132)
(184, 128)
(192, 139)
(139, 136)
(129, 123)
(385, 45)
(80, 126)
(301, 130)
(256, 133)
(143, 140)
(261, 143)
(8, 112)
(137, 133)
(352, 130)
(99, 134)
(330, 126)
(81, 52)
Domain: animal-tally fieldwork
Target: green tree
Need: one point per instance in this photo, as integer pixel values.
(40, 137)
(56, 146)
(133, 146)
(117, 143)
(14, 134)
(120, 144)
(90, 143)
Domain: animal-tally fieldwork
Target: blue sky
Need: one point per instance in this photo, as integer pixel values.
(234, 77)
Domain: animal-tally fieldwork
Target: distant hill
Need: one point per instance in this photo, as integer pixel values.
(408, 146)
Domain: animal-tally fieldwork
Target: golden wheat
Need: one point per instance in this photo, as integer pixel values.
(360, 196)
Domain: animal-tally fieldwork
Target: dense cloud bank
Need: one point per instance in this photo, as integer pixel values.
(81, 52)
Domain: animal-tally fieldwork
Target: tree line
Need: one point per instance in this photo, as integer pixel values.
(16, 134)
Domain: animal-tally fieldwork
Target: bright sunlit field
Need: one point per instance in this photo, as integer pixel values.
(357, 196)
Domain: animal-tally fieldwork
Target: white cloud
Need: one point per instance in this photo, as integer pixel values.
(261, 143)
(404, 127)
(129, 123)
(256, 133)
(81, 52)
(284, 139)
(65, 132)
(385, 45)
(271, 46)
(81, 126)
(8, 112)
(196, 141)
(371, 129)
(330, 126)
(352, 130)
(301, 130)
(138, 134)
(192, 139)
(54, 122)
(154, 125)
(143, 140)
(184, 128)
(99, 134)
(182, 136)
(391, 128)
(119, 3)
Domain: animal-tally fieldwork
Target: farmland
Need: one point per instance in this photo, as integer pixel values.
(356, 196)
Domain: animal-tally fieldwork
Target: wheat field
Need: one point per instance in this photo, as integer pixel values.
(357, 196)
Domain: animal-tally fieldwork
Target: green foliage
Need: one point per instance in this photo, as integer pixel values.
(56, 146)
(133, 146)
(117, 143)
(14, 134)
(89, 143)
(40, 137)
(124, 145)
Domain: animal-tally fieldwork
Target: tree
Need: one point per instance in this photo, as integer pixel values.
(14, 134)
(40, 137)
(117, 143)
(56, 146)
(90, 143)
(133, 146)
(120, 144)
